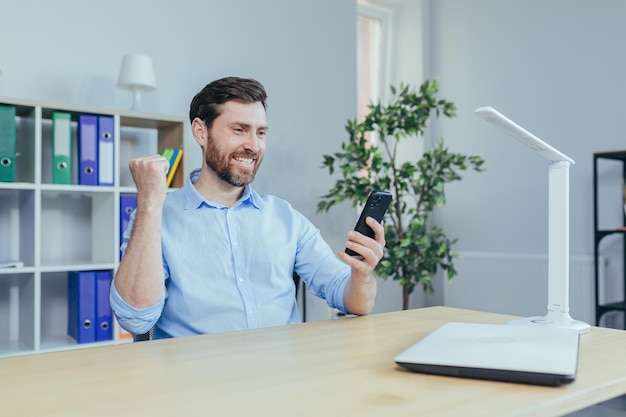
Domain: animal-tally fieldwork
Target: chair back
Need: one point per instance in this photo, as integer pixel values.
(143, 337)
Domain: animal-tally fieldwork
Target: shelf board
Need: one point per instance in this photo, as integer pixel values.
(146, 121)
(12, 348)
(78, 266)
(61, 188)
(620, 305)
(128, 190)
(133, 118)
(17, 185)
(19, 270)
(600, 234)
(64, 342)
(76, 188)
(619, 155)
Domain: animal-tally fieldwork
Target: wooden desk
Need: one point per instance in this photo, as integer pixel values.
(333, 368)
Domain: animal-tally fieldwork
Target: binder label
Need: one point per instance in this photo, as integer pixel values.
(62, 132)
(106, 160)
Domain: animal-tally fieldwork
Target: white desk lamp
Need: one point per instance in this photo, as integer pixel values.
(558, 224)
(137, 75)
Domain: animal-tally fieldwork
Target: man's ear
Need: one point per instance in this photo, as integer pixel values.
(199, 131)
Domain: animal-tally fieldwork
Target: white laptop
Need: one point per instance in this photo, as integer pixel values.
(539, 354)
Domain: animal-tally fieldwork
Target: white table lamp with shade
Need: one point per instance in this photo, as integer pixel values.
(137, 75)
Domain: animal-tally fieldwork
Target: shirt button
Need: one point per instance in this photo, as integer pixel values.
(251, 311)
(240, 279)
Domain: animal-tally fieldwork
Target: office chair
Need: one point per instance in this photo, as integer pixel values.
(144, 336)
(298, 282)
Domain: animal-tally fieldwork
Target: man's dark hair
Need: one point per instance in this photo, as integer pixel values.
(207, 104)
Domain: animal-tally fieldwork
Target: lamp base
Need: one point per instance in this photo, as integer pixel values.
(136, 106)
(560, 320)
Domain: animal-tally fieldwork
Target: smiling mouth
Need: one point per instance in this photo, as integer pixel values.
(245, 161)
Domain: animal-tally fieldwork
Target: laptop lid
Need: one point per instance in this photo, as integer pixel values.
(525, 354)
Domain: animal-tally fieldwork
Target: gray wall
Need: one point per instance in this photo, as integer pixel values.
(555, 67)
(69, 51)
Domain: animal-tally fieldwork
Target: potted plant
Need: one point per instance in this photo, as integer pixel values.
(416, 248)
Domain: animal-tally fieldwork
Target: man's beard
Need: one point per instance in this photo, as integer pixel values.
(220, 164)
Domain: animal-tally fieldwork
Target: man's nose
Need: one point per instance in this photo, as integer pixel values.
(252, 142)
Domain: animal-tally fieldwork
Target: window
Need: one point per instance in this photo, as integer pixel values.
(372, 55)
(373, 52)
(368, 62)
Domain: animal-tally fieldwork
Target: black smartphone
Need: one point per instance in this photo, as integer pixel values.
(376, 207)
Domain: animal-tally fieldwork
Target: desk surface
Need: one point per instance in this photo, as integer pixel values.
(332, 368)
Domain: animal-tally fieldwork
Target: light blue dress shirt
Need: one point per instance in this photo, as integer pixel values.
(232, 268)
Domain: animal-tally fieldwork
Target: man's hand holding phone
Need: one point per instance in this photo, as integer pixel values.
(364, 249)
(375, 207)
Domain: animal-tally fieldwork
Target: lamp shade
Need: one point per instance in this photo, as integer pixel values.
(137, 73)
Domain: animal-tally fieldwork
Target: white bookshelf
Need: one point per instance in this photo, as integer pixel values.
(54, 228)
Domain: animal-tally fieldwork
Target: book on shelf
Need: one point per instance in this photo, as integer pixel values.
(7, 143)
(61, 148)
(106, 141)
(174, 156)
(124, 334)
(95, 149)
(88, 309)
(87, 150)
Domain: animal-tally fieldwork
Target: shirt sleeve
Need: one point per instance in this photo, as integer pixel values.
(134, 320)
(335, 293)
(319, 267)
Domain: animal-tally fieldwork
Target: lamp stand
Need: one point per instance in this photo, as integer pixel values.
(136, 106)
(558, 254)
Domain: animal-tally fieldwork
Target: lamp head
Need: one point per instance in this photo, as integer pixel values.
(137, 75)
(522, 135)
(137, 72)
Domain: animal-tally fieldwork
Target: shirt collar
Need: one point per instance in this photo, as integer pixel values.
(195, 200)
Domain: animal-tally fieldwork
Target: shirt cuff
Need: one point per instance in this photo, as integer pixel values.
(132, 319)
(336, 300)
